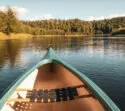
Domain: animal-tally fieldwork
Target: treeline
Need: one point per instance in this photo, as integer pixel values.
(109, 26)
(10, 24)
(61, 27)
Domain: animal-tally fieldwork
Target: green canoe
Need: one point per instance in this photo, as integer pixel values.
(54, 85)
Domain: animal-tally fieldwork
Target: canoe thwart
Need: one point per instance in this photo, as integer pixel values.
(51, 95)
(27, 89)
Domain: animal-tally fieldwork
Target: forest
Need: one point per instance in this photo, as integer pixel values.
(9, 23)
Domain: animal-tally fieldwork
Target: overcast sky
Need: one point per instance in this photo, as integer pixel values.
(66, 9)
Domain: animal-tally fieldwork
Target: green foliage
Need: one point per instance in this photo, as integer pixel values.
(99, 32)
(61, 27)
(2, 21)
(10, 24)
(10, 21)
(76, 26)
(120, 31)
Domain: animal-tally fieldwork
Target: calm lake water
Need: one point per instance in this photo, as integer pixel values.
(102, 59)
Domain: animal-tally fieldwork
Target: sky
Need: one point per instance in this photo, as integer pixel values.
(65, 9)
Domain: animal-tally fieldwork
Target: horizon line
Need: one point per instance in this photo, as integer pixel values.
(72, 19)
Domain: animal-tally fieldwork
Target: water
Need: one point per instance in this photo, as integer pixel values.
(102, 59)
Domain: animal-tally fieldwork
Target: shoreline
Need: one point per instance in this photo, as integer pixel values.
(14, 36)
(26, 36)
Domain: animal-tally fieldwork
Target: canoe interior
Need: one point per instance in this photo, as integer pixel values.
(47, 77)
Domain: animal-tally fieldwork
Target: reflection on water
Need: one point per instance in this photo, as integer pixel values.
(12, 50)
(9, 51)
(101, 58)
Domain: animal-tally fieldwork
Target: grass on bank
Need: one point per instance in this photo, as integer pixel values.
(14, 36)
(2, 36)
(26, 36)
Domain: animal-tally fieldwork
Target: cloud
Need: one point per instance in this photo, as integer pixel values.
(116, 15)
(23, 13)
(43, 17)
(91, 18)
(20, 10)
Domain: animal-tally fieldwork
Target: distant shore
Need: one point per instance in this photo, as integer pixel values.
(26, 36)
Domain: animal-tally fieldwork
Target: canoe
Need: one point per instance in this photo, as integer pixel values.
(54, 85)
